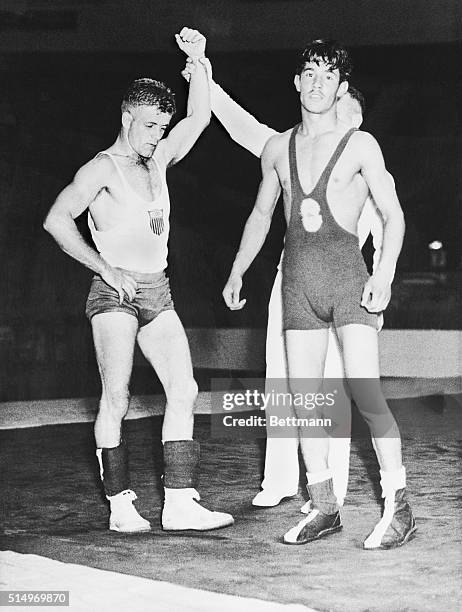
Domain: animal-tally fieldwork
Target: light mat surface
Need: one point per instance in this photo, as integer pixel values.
(93, 589)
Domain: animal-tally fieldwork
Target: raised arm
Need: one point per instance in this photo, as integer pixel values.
(240, 124)
(60, 223)
(377, 291)
(186, 132)
(256, 229)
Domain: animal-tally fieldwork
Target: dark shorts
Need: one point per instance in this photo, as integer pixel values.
(303, 313)
(152, 297)
(319, 298)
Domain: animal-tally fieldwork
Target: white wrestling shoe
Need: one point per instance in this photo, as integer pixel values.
(124, 516)
(268, 498)
(182, 512)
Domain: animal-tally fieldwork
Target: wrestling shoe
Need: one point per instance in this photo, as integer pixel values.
(397, 525)
(268, 498)
(181, 512)
(124, 517)
(315, 526)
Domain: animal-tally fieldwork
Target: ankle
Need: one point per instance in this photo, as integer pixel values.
(392, 481)
(321, 492)
(180, 496)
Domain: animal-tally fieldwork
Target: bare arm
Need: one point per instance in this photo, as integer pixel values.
(60, 223)
(377, 291)
(370, 222)
(186, 132)
(256, 228)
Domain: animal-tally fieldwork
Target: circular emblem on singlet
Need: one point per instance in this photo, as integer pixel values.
(310, 212)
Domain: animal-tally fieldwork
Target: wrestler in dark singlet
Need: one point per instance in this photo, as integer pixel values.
(323, 269)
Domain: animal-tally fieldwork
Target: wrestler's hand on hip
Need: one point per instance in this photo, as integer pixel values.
(376, 293)
(121, 281)
(191, 42)
(231, 292)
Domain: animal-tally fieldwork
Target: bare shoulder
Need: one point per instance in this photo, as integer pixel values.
(364, 141)
(276, 145)
(98, 170)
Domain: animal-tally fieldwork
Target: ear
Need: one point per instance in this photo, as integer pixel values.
(343, 88)
(126, 119)
(297, 82)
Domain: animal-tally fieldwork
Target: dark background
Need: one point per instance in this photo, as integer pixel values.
(63, 69)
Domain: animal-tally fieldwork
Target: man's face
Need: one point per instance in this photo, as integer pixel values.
(319, 86)
(349, 111)
(145, 126)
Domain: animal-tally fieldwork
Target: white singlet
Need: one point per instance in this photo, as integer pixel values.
(139, 241)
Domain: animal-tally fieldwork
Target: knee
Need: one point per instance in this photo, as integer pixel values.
(182, 392)
(115, 400)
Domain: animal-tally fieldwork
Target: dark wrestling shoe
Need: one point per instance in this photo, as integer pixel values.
(397, 525)
(316, 525)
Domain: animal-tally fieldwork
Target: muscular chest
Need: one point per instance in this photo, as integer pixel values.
(316, 165)
(312, 160)
(133, 188)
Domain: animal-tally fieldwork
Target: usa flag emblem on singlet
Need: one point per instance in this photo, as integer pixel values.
(156, 220)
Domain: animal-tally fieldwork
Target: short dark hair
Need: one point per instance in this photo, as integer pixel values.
(358, 96)
(148, 92)
(328, 51)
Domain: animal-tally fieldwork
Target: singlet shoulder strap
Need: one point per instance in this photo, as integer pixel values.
(294, 179)
(324, 178)
(117, 167)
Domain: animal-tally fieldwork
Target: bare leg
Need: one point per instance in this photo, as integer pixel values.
(360, 350)
(361, 357)
(165, 346)
(306, 354)
(114, 336)
(339, 446)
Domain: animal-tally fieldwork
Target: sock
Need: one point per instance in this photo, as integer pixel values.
(181, 458)
(114, 469)
(321, 492)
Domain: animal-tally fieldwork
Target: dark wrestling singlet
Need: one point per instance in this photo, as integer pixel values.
(324, 273)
